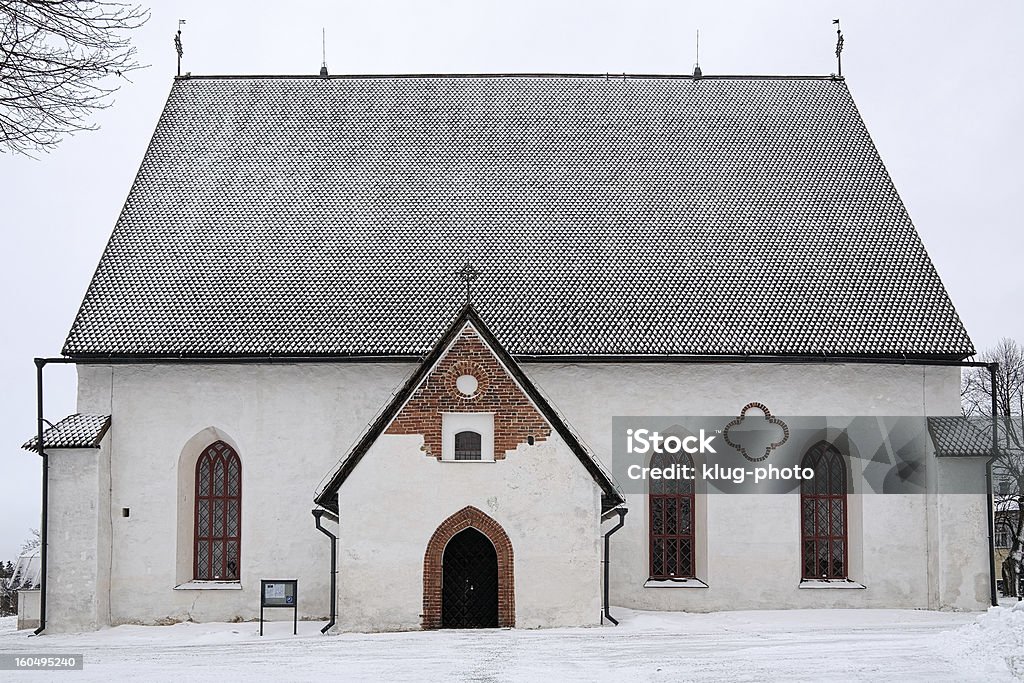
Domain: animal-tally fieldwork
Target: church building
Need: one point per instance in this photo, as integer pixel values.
(375, 334)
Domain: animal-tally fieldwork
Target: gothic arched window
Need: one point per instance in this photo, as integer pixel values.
(218, 531)
(823, 514)
(671, 527)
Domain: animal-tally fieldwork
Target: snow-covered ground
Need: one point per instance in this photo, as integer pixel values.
(737, 646)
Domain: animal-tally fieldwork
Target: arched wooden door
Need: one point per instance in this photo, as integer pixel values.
(469, 592)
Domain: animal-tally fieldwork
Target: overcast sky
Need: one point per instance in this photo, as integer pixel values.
(937, 83)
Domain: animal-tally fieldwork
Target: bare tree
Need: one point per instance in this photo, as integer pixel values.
(8, 590)
(60, 61)
(33, 542)
(1008, 469)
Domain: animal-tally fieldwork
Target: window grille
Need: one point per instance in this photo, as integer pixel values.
(467, 446)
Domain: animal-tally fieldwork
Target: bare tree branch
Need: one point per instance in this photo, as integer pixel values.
(60, 61)
(1008, 469)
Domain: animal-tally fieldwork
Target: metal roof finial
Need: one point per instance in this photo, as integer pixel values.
(468, 274)
(839, 47)
(696, 66)
(177, 44)
(323, 51)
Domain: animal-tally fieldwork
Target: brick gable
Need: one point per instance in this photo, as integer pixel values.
(433, 562)
(515, 417)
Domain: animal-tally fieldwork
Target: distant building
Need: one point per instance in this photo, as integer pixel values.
(26, 577)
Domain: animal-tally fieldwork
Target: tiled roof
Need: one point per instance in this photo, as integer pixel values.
(957, 436)
(620, 216)
(74, 431)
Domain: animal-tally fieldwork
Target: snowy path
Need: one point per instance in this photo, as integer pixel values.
(809, 645)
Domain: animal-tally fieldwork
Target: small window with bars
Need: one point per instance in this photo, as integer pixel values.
(1004, 536)
(467, 445)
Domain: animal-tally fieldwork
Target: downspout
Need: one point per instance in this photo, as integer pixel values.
(40, 364)
(319, 514)
(607, 561)
(993, 369)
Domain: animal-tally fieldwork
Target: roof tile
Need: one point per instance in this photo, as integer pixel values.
(79, 430)
(637, 216)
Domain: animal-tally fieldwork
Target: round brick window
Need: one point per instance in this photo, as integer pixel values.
(467, 380)
(467, 384)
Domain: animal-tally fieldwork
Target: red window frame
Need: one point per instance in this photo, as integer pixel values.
(671, 522)
(823, 515)
(218, 514)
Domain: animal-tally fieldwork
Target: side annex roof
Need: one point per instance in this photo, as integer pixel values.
(957, 436)
(611, 495)
(79, 430)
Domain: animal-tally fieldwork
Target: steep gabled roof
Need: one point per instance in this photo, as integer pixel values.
(327, 496)
(609, 216)
(79, 430)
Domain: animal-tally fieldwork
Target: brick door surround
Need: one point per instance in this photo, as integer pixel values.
(433, 561)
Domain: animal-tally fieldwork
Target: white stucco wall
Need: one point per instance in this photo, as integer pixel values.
(396, 497)
(28, 609)
(79, 543)
(752, 542)
(290, 425)
(292, 422)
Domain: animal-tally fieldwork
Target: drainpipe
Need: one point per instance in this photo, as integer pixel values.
(607, 561)
(40, 364)
(319, 515)
(993, 369)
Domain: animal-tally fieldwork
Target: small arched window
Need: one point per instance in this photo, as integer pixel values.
(672, 520)
(218, 515)
(467, 445)
(823, 513)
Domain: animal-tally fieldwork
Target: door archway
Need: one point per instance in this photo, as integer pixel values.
(469, 582)
(459, 573)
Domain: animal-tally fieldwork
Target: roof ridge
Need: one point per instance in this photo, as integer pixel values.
(552, 75)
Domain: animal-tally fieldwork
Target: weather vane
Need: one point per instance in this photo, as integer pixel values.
(468, 274)
(177, 44)
(839, 46)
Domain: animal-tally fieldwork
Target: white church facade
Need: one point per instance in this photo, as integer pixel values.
(279, 361)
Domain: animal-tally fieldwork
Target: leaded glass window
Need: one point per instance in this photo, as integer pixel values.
(218, 514)
(671, 521)
(823, 514)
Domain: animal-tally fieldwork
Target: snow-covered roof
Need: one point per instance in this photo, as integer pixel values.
(622, 216)
(956, 436)
(79, 430)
